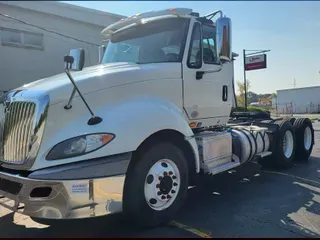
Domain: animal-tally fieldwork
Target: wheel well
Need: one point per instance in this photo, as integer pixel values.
(174, 137)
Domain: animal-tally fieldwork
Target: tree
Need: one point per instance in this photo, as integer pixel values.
(240, 97)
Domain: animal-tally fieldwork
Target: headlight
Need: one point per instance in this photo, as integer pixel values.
(77, 146)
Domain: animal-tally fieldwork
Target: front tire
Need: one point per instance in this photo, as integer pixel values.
(156, 185)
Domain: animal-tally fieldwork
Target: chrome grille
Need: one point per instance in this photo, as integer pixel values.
(22, 118)
(19, 120)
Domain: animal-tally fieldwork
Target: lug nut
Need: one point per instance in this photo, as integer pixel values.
(168, 196)
(173, 191)
(175, 184)
(165, 174)
(159, 193)
(170, 173)
(158, 185)
(163, 197)
(174, 177)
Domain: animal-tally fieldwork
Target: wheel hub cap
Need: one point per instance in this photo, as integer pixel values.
(166, 185)
(162, 184)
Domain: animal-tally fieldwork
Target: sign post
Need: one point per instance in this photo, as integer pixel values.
(252, 61)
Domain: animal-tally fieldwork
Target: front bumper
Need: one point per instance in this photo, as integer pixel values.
(63, 199)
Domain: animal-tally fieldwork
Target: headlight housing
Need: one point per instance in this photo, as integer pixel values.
(80, 145)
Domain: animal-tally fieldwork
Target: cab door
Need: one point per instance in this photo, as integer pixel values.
(206, 92)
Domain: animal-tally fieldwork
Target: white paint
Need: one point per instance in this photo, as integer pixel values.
(134, 101)
(205, 95)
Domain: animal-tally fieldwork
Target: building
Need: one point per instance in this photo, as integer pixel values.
(35, 48)
(299, 100)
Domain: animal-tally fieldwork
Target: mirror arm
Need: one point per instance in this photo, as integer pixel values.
(68, 106)
(68, 64)
(94, 119)
(211, 15)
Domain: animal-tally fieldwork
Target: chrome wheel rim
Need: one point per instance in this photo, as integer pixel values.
(307, 138)
(288, 144)
(162, 184)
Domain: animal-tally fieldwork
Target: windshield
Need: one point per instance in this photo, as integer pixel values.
(154, 42)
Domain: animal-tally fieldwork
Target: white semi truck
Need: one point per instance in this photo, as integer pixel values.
(133, 132)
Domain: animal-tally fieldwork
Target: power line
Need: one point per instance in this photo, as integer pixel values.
(47, 30)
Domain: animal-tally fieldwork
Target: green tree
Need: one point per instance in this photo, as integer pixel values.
(240, 97)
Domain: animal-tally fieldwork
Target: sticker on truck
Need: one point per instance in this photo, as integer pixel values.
(82, 188)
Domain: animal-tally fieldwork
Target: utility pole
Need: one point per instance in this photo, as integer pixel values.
(244, 72)
(245, 80)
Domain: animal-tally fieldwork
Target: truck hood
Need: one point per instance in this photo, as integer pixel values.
(103, 76)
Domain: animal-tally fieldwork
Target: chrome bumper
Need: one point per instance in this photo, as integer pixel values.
(64, 199)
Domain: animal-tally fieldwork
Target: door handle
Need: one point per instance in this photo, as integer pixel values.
(199, 74)
(224, 93)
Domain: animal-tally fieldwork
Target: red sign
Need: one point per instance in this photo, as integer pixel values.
(255, 62)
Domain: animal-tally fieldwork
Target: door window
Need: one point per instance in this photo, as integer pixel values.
(209, 45)
(195, 53)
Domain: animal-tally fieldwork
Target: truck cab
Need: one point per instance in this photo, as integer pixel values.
(131, 133)
(193, 48)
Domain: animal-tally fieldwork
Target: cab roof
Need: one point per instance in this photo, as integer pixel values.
(147, 17)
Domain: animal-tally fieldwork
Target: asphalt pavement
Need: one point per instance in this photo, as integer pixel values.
(246, 202)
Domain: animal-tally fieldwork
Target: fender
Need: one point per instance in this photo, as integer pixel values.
(132, 120)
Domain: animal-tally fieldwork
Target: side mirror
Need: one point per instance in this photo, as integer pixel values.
(78, 59)
(102, 49)
(223, 39)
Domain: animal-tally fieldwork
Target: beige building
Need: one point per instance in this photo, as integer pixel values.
(28, 53)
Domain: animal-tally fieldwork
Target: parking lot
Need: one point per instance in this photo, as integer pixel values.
(246, 202)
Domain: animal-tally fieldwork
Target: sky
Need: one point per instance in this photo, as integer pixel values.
(291, 30)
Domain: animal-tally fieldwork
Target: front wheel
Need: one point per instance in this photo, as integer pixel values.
(156, 185)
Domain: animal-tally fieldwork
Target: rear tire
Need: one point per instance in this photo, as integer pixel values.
(267, 121)
(290, 119)
(156, 185)
(283, 152)
(305, 138)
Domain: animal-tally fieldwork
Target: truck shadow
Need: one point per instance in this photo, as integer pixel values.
(242, 202)
(250, 201)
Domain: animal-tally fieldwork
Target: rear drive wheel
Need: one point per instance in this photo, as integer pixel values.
(156, 185)
(305, 138)
(290, 119)
(283, 152)
(267, 121)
